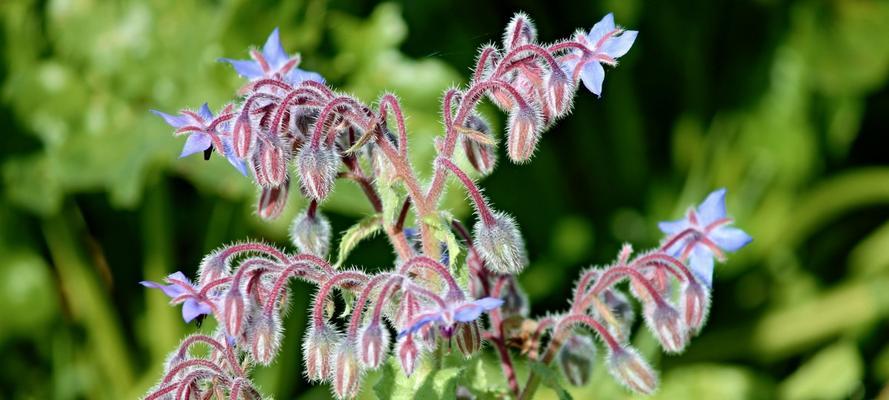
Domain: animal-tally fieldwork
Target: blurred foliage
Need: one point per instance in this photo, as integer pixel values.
(784, 103)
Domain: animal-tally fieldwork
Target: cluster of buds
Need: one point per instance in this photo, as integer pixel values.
(419, 305)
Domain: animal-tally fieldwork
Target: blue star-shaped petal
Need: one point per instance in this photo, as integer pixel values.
(181, 290)
(606, 42)
(273, 62)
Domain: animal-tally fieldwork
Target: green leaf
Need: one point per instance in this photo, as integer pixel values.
(550, 379)
(833, 373)
(364, 229)
(424, 383)
(441, 229)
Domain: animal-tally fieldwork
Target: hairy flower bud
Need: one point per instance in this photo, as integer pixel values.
(576, 359)
(515, 300)
(270, 163)
(482, 156)
(519, 31)
(243, 137)
(265, 338)
(559, 93)
(317, 168)
(311, 234)
(272, 201)
(665, 323)
(622, 310)
(468, 338)
(524, 133)
(630, 369)
(373, 344)
(695, 302)
(408, 355)
(501, 245)
(233, 312)
(214, 266)
(318, 346)
(346, 372)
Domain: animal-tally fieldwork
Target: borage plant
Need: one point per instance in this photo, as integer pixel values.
(449, 290)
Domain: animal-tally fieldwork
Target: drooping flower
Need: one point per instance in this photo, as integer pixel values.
(181, 290)
(448, 316)
(707, 235)
(273, 62)
(606, 43)
(203, 131)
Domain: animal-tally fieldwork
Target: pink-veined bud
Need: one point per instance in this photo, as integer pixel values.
(408, 354)
(667, 326)
(233, 312)
(631, 370)
(501, 98)
(524, 133)
(519, 31)
(695, 302)
(265, 337)
(482, 156)
(346, 372)
(468, 338)
(311, 234)
(373, 345)
(559, 91)
(501, 245)
(317, 168)
(214, 266)
(318, 346)
(243, 137)
(272, 201)
(576, 359)
(270, 163)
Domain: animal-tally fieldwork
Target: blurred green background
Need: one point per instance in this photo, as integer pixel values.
(786, 103)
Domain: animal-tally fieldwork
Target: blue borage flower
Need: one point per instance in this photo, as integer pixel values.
(467, 311)
(203, 130)
(181, 290)
(705, 235)
(273, 62)
(606, 43)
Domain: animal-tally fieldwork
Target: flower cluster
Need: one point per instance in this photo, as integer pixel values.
(421, 305)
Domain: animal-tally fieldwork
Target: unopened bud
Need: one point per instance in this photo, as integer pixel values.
(272, 201)
(373, 341)
(270, 163)
(519, 31)
(501, 245)
(346, 372)
(631, 370)
(317, 168)
(243, 137)
(468, 338)
(524, 133)
(515, 300)
(311, 234)
(408, 354)
(695, 303)
(233, 312)
(577, 358)
(318, 346)
(622, 311)
(214, 266)
(666, 324)
(559, 93)
(482, 156)
(265, 338)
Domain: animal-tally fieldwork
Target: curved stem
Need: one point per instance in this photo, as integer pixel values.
(318, 309)
(481, 205)
(421, 261)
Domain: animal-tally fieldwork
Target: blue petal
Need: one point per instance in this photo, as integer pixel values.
(701, 263)
(601, 28)
(471, 311)
(273, 51)
(713, 207)
(205, 113)
(196, 142)
(192, 308)
(488, 303)
(297, 75)
(419, 323)
(619, 45)
(229, 153)
(169, 290)
(248, 69)
(593, 74)
(179, 276)
(729, 238)
(672, 227)
(176, 121)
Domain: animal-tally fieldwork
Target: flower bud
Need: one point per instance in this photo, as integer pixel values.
(311, 234)
(695, 303)
(501, 245)
(631, 370)
(243, 137)
(408, 354)
(482, 156)
(270, 163)
(666, 324)
(346, 372)
(272, 201)
(265, 338)
(515, 300)
(523, 134)
(318, 346)
(214, 266)
(233, 312)
(622, 310)
(468, 338)
(559, 93)
(519, 31)
(576, 359)
(373, 343)
(317, 168)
